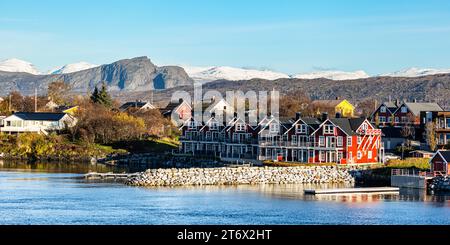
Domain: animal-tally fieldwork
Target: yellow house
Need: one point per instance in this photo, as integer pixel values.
(342, 106)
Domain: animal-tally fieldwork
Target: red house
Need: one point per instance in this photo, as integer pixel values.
(439, 163)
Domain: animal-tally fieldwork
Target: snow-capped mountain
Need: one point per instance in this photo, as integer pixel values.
(212, 73)
(80, 66)
(16, 65)
(416, 72)
(333, 75)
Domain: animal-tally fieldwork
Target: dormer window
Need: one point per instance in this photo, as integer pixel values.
(328, 129)
(404, 109)
(274, 128)
(300, 129)
(240, 127)
(383, 109)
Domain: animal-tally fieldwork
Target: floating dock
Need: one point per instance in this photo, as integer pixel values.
(353, 190)
(109, 176)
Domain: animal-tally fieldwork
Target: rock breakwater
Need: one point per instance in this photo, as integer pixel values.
(241, 175)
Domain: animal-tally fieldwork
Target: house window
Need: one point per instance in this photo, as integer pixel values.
(294, 139)
(340, 155)
(328, 129)
(397, 119)
(300, 129)
(404, 119)
(208, 135)
(404, 109)
(448, 122)
(350, 155)
(382, 119)
(383, 109)
(359, 155)
(321, 141)
(214, 126)
(389, 119)
(349, 141)
(191, 125)
(339, 141)
(359, 140)
(322, 156)
(240, 127)
(274, 128)
(369, 154)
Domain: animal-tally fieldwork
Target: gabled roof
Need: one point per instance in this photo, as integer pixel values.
(445, 154)
(416, 108)
(39, 116)
(135, 104)
(329, 103)
(344, 124)
(390, 105)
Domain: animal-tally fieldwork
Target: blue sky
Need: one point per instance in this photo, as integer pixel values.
(288, 36)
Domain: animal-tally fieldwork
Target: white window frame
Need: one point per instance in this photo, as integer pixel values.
(294, 139)
(240, 126)
(383, 109)
(349, 140)
(301, 128)
(340, 141)
(321, 140)
(382, 119)
(328, 129)
(359, 155)
(369, 154)
(359, 140)
(274, 127)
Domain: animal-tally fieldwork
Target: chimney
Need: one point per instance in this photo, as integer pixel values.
(298, 115)
(235, 114)
(213, 115)
(213, 99)
(337, 98)
(324, 116)
(338, 115)
(415, 100)
(180, 100)
(396, 103)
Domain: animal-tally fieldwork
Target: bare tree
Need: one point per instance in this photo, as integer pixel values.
(430, 129)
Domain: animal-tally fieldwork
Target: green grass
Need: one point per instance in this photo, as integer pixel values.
(295, 164)
(418, 163)
(149, 145)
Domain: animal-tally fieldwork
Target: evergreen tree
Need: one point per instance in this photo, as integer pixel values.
(102, 97)
(94, 96)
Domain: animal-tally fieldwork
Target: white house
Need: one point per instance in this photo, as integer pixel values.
(36, 122)
(139, 105)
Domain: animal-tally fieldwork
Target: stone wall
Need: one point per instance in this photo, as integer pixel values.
(241, 175)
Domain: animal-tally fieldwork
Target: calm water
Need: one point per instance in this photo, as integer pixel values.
(50, 195)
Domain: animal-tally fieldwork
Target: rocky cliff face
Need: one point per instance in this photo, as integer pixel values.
(130, 75)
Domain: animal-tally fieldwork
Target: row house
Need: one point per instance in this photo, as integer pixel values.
(399, 115)
(308, 140)
(235, 139)
(339, 140)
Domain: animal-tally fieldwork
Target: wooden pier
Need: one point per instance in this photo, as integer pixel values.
(353, 190)
(109, 175)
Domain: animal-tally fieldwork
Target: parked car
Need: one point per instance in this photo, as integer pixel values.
(390, 156)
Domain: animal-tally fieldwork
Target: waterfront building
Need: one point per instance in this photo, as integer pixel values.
(36, 122)
(308, 140)
(182, 109)
(439, 162)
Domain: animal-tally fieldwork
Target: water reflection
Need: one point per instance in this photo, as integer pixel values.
(61, 167)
